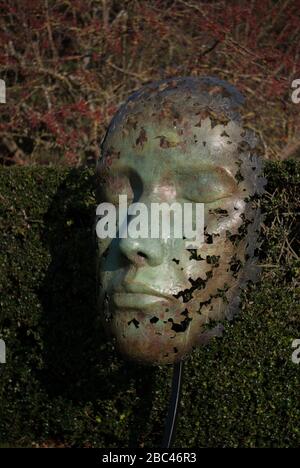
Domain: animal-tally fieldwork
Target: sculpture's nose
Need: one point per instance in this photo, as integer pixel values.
(142, 251)
(148, 249)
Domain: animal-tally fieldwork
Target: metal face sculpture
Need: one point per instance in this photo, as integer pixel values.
(179, 140)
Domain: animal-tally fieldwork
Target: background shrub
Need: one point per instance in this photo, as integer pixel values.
(63, 383)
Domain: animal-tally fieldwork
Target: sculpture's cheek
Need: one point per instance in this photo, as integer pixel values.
(225, 215)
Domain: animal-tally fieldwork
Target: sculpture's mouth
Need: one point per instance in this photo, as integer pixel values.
(135, 300)
(134, 295)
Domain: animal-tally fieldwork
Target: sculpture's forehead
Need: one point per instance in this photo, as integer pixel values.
(186, 120)
(196, 140)
(187, 93)
(181, 98)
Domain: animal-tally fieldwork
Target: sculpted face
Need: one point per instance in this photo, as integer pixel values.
(178, 141)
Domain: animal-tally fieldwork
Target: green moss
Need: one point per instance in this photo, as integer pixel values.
(63, 381)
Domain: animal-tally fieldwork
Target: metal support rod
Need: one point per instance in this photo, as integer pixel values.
(170, 424)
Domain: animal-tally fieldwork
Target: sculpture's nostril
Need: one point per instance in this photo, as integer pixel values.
(142, 254)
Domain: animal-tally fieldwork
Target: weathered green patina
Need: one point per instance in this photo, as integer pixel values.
(180, 140)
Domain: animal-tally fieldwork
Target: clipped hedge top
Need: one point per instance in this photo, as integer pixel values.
(64, 383)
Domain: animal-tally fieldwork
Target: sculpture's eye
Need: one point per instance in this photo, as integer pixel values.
(208, 186)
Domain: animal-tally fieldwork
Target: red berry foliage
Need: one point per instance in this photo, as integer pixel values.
(69, 64)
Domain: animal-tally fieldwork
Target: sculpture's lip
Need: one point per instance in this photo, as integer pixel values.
(141, 288)
(131, 295)
(127, 300)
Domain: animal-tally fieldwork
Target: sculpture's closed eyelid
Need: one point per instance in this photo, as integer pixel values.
(207, 185)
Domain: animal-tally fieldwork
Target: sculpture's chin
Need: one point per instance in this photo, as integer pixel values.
(142, 337)
(146, 351)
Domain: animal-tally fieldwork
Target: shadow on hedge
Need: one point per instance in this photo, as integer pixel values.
(80, 362)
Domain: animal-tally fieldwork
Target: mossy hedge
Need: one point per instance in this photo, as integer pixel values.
(63, 382)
